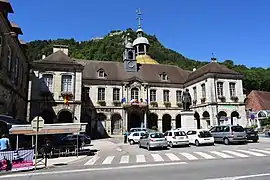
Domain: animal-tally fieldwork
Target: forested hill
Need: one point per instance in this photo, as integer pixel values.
(111, 46)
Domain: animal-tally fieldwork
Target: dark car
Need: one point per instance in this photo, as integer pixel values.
(252, 134)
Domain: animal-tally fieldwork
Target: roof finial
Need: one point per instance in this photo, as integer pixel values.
(139, 17)
(213, 59)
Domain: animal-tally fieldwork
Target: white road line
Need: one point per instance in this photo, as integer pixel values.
(252, 153)
(189, 156)
(92, 161)
(223, 155)
(124, 160)
(157, 157)
(108, 160)
(261, 151)
(172, 157)
(241, 177)
(236, 154)
(140, 158)
(204, 155)
(31, 174)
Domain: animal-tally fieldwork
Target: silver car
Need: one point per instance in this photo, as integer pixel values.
(153, 140)
(229, 134)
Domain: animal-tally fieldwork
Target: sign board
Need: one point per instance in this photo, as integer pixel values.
(252, 116)
(37, 121)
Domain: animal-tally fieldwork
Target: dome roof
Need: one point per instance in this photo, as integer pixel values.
(140, 40)
(129, 45)
(145, 59)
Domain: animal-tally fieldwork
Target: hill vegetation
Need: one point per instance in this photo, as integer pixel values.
(111, 46)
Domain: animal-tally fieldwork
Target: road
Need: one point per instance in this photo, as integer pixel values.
(118, 161)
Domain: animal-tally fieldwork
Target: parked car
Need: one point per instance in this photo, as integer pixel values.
(200, 136)
(137, 129)
(134, 137)
(71, 140)
(176, 138)
(252, 134)
(153, 140)
(229, 134)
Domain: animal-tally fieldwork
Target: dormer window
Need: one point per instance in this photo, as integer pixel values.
(164, 77)
(101, 73)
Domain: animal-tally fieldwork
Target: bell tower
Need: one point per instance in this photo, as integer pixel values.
(129, 56)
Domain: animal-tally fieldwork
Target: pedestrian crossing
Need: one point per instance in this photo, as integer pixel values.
(180, 156)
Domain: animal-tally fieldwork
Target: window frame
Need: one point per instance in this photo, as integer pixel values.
(153, 95)
(116, 94)
(66, 81)
(178, 96)
(135, 93)
(9, 59)
(232, 90)
(166, 96)
(220, 88)
(203, 90)
(101, 73)
(50, 86)
(101, 94)
(195, 95)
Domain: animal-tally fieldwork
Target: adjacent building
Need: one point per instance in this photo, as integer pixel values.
(13, 69)
(138, 92)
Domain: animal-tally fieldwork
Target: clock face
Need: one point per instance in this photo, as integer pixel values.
(131, 64)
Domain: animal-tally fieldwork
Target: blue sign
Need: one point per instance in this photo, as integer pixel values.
(252, 116)
(226, 119)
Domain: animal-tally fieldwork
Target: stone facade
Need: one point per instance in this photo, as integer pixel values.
(14, 67)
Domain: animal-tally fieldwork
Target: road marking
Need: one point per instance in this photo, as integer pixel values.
(108, 160)
(241, 177)
(236, 154)
(221, 154)
(189, 156)
(204, 155)
(172, 157)
(157, 157)
(124, 160)
(252, 153)
(90, 169)
(261, 151)
(140, 158)
(92, 161)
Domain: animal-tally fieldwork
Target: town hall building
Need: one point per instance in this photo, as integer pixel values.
(112, 97)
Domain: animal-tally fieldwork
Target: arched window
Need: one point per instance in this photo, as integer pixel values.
(130, 55)
(135, 93)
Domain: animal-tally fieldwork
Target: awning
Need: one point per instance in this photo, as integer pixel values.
(59, 128)
(10, 120)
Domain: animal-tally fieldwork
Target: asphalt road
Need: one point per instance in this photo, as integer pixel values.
(257, 168)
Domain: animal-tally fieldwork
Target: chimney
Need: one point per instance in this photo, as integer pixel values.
(63, 48)
(43, 56)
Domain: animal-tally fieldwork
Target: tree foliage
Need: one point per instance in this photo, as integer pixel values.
(111, 47)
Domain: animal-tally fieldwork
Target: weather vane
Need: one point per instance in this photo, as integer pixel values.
(139, 17)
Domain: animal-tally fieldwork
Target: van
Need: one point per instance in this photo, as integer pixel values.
(229, 134)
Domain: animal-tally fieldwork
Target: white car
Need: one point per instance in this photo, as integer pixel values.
(134, 137)
(200, 136)
(176, 138)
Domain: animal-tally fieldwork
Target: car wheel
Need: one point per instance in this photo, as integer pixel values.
(131, 142)
(148, 147)
(171, 144)
(140, 146)
(255, 140)
(197, 143)
(226, 141)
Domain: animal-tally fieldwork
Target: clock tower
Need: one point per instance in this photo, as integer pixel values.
(129, 57)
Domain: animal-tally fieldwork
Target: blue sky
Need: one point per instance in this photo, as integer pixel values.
(233, 29)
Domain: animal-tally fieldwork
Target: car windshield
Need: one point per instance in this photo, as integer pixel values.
(250, 130)
(157, 135)
(205, 134)
(179, 133)
(238, 129)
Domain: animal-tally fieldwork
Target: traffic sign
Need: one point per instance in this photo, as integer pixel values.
(252, 116)
(37, 123)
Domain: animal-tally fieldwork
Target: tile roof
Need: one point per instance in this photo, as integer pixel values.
(17, 28)
(258, 100)
(147, 72)
(212, 67)
(5, 4)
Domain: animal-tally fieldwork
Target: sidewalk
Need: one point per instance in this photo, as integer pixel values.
(60, 161)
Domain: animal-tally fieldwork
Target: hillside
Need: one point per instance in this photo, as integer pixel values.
(111, 46)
